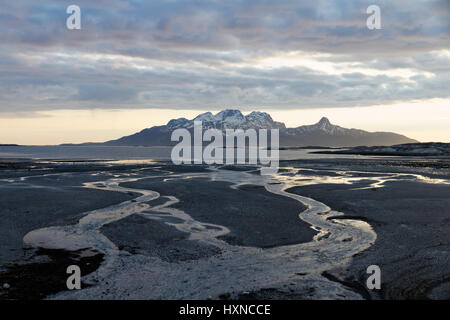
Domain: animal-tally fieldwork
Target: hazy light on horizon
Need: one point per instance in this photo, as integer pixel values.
(424, 121)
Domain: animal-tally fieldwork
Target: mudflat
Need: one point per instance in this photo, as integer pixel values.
(410, 216)
(26, 207)
(228, 232)
(254, 216)
(138, 235)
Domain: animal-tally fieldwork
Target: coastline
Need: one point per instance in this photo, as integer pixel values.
(212, 247)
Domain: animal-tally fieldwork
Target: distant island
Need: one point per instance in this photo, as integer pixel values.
(323, 133)
(409, 149)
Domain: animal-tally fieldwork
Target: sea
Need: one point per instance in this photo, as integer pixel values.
(127, 153)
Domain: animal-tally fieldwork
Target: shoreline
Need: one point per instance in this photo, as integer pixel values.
(200, 245)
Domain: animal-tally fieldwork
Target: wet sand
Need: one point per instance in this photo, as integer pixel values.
(138, 235)
(26, 207)
(207, 232)
(411, 218)
(254, 216)
(42, 277)
(412, 222)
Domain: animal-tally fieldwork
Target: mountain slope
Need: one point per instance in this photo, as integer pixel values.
(322, 133)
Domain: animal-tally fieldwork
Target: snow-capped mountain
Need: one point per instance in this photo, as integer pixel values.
(323, 133)
(229, 119)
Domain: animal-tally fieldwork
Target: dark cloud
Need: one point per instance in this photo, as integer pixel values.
(107, 93)
(206, 54)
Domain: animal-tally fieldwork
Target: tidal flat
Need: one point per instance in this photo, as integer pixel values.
(153, 230)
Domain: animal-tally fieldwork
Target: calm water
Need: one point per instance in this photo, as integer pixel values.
(125, 153)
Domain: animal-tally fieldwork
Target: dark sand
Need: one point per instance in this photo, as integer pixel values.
(239, 168)
(139, 235)
(158, 202)
(412, 222)
(277, 294)
(436, 168)
(26, 207)
(52, 195)
(33, 281)
(411, 219)
(185, 168)
(254, 216)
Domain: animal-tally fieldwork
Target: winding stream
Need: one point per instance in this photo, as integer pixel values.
(236, 269)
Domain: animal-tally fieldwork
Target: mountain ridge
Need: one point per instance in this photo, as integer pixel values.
(323, 133)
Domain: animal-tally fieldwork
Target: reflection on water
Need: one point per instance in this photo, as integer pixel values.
(304, 177)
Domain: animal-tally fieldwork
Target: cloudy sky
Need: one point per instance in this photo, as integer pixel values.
(135, 64)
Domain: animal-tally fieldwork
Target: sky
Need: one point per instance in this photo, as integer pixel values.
(135, 64)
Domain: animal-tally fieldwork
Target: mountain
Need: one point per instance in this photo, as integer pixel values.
(322, 133)
(229, 119)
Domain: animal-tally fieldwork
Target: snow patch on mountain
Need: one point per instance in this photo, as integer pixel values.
(323, 133)
(228, 119)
